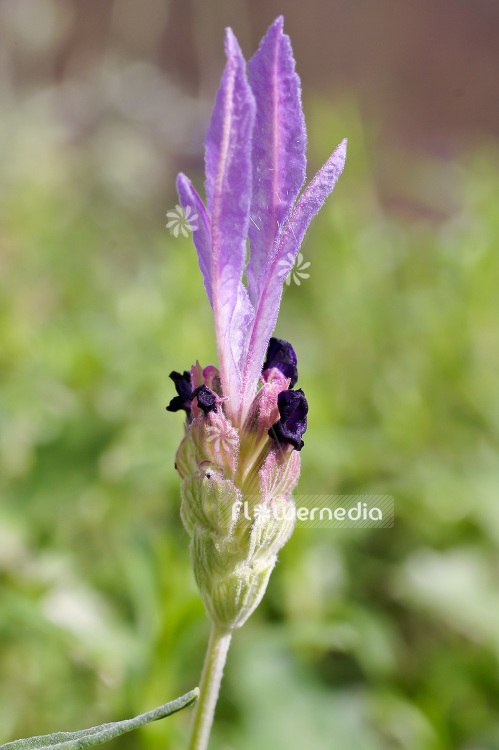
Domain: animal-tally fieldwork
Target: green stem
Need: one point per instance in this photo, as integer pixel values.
(211, 678)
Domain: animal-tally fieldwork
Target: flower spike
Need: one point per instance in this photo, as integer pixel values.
(239, 460)
(245, 423)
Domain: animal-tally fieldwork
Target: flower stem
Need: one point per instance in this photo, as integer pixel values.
(211, 678)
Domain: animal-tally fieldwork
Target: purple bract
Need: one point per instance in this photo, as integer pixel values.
(255, 169)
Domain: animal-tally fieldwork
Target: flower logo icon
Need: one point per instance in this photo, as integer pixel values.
(181, 221)
(293, 269)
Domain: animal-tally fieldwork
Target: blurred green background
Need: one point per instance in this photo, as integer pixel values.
(377, 639)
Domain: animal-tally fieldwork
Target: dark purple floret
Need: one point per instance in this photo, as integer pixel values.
(207, 400)
(293, 409)
(184, 390)
(281, 354)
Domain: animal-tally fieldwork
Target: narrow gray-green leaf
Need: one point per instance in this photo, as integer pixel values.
(95, 735)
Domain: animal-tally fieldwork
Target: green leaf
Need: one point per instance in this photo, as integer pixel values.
(95, 735)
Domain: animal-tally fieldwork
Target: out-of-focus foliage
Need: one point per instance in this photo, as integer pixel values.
(380, 639)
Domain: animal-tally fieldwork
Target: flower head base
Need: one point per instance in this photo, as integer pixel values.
(226, 469)
(244, 422)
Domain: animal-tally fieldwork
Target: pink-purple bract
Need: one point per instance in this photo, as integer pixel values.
(255, 170)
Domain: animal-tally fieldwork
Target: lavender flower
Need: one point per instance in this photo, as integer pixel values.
(184, 392)
(281, 354)
(292, 423)
(245, 422)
